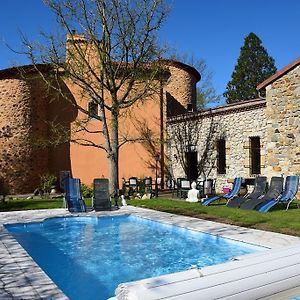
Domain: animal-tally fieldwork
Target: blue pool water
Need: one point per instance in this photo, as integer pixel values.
(87, 257)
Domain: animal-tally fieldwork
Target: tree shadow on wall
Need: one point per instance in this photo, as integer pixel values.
(52, 120)
(62, 113)
(194, 135)
(174, 107)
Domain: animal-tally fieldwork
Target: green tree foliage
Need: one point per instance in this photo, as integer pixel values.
(86, 191)
(47, 181)
(4, 189)
(254, 65)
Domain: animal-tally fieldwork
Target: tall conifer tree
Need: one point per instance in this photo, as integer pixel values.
(254, 65)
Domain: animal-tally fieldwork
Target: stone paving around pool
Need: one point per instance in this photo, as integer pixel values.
(21, 278)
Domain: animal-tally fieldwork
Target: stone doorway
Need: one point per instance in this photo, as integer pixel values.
(192, 162)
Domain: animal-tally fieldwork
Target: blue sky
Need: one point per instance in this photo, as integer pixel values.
(213, 30)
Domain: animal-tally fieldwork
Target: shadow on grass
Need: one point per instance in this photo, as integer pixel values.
(283, 206)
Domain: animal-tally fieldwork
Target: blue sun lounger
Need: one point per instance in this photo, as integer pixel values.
(274, 192)
(235, 189)
(73, 197)
(258, 190)
(287, 196)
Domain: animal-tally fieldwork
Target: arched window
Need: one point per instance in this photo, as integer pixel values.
(92, 109)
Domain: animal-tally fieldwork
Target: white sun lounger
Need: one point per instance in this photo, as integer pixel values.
(255, 276)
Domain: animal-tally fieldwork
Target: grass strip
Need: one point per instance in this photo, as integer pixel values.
(277, 220)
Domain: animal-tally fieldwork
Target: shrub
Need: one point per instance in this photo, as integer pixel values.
(86, 191)
(124, 189)
(142, 186)
(47, 181)
(4, 189)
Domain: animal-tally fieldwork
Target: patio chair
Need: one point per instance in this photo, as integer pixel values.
(101, 197)
(73, 198)
(209, 187)
(275, 189)
(259, 188)
(171, 183)
(132, 185)
(183, 186)
(179, 190)
(200, 186)
(287, 196)
(148, 184)
(235, 189)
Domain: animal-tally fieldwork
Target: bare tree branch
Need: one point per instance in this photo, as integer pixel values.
(186, 135)
(110, 61)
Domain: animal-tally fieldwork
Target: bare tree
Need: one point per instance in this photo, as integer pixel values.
(111, 61)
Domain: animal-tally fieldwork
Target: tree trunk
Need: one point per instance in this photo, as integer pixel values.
(113, 174)
(162, 129)
(114, 155)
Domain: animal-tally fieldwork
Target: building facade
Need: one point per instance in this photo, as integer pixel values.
(260, 136)
(225, 146)
(250, 138)
(283, 116)
(28, 109)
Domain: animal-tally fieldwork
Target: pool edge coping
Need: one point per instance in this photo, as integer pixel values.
(28, 282)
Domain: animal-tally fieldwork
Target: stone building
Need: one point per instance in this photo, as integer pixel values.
(222, 150)
(260, 136)
(27, 109)
(282, 152)
(25, 112)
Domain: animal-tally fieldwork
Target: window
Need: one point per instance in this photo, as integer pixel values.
(221, 162)
(255, 155)
(93, 109)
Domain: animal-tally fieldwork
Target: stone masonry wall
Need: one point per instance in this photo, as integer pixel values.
(19, 162)
(236, 128)
(283, 127)
(181, 86)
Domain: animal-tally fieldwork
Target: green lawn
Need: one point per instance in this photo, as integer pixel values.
(37, 203)
(277, 220)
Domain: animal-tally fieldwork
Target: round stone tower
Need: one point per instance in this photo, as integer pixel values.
(22, 109)
(181, 88)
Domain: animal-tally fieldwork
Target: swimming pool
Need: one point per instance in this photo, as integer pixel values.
(87, 257)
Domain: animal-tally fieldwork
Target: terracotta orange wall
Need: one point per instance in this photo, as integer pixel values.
(134, 157)
(88, 163)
